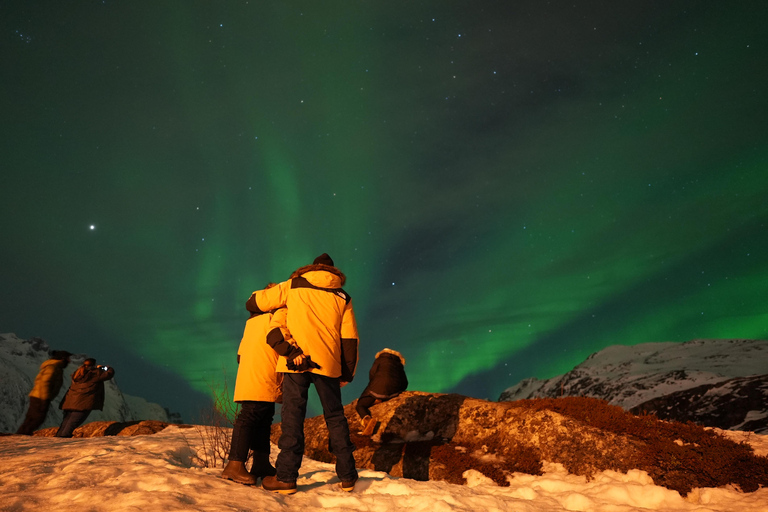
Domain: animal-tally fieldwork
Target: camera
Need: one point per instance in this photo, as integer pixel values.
(104, 367)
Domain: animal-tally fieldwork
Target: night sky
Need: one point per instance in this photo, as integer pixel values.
(509, 186)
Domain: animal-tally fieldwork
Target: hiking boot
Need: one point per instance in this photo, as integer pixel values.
(348, 485)
(271, 483)
(235, 471)
(369, 427)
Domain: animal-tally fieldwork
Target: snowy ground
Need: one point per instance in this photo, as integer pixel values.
(159, 473)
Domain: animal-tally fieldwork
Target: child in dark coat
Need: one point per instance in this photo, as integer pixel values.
(386, 380)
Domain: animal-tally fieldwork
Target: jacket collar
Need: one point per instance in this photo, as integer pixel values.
(319, 267)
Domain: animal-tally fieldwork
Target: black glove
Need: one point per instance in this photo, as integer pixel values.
(305, 365)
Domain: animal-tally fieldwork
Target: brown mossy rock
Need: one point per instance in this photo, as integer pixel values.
(427, 436)
(110, 428)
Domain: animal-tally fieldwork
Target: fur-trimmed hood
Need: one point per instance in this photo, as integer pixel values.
(392, 352)
(319, 267)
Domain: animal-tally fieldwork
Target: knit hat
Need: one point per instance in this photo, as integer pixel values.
(324, 259)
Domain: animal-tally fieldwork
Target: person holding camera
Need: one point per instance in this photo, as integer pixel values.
(85, 394)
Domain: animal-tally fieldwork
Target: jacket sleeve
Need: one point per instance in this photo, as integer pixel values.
(262, 301)
(278, 332)
(349, 344)
(106, 374)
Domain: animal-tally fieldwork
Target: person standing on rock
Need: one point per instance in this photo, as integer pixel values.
(47, 385)
(386, 380)
(321, 320)
(257, 388)
(85, 394)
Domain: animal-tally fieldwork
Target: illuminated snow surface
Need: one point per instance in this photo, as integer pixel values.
(162, 472)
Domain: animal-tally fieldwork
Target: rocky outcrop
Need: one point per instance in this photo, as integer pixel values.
(428, 436)
(439, 436)
(111, 428)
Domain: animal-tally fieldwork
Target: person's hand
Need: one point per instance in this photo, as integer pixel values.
(301, 363)
(298, 363)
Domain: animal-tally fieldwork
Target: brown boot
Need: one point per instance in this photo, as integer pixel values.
(271, 483)
(235, 471)
(368, 428)
(348, 485)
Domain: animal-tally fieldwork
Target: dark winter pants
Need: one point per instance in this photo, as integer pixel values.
(252, 429)
(38, 409)
(368, 399)
(364, 404)
(295, 394)
(72, 420)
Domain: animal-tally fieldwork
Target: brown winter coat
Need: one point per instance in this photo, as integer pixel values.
(387, 376)
(319, 317)
(86, 392)
(49, 379)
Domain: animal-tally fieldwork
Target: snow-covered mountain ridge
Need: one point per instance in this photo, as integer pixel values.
(633, 376)
(19, 363)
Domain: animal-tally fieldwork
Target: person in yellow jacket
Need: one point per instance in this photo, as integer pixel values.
(257, 389)
(47, 385)
(322, 323)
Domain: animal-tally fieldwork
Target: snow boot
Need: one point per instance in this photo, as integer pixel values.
(271, 483)
(348, 485)
(235, 471)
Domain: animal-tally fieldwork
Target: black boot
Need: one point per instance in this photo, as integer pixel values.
(261, 466)
(235, 471)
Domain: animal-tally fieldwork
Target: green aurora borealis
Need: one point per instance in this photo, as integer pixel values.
(508, 186)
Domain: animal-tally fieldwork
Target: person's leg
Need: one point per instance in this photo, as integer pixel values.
(329, 391)
(242, 433)
(364, 404)
(294, 409)
(72, 420)
(260, 443)
(36, 413)
(241, 442)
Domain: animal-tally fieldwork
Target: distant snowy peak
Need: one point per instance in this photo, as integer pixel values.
(19, 363)
(629, 376)
(722, 357)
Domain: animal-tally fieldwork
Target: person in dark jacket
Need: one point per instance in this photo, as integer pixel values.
(47, 385)
(84, 395)
(386, 380)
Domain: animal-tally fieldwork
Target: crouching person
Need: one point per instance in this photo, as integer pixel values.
(257, 388)
(386, 380)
